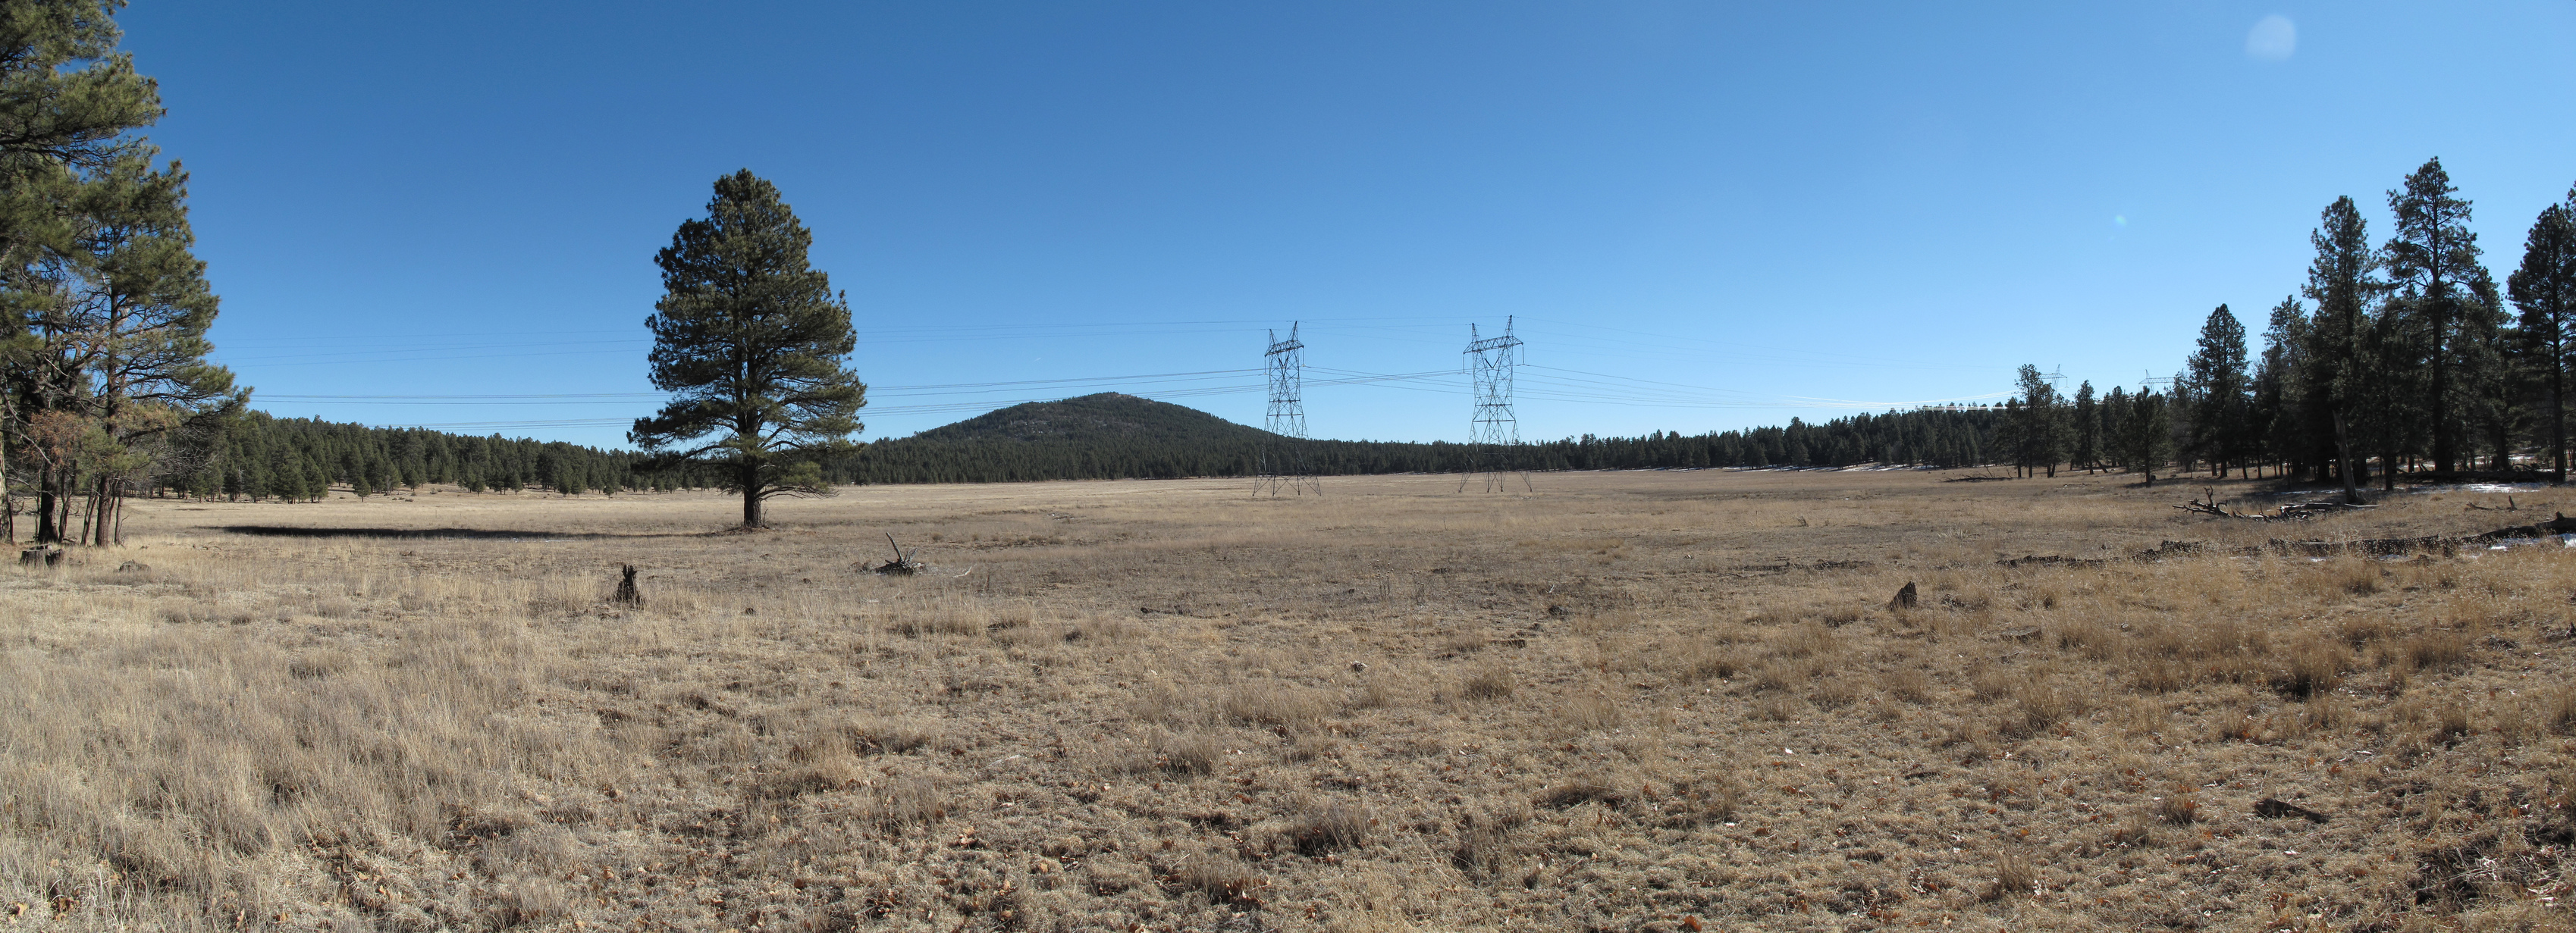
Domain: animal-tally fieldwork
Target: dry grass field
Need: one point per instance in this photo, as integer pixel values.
(1650, 701)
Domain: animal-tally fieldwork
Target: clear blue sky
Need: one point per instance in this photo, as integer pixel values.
(1705, 216)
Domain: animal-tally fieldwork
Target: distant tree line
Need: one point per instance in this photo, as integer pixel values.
(257, 457)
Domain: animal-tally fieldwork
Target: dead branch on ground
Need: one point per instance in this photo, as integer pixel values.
(2292, 511)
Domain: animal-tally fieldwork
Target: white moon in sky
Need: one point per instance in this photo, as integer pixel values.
(2272, 39)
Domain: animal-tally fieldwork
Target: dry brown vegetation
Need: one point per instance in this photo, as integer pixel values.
(1630, 701)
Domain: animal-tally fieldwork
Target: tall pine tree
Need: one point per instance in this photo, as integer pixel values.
(2544, 288)
(102, 309)
(2433, 259)
(2343, 281)
(2218, 384)
(750, 341)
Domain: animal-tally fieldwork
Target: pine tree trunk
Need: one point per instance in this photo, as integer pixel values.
(2558, 420)
(111, 508)
(2343, 463)
(8, 505)
(2445, 448)
(47, 532)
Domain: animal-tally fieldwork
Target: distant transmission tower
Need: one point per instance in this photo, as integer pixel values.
(1495, 434)
(1283, 454)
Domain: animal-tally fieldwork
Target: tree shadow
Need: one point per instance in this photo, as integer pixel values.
(468, 534)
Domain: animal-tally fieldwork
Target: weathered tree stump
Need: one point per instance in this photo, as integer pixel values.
(1904, 598)
(903, 563)
(626, 592)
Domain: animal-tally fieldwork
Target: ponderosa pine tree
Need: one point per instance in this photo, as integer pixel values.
(102, 309)
(2147, 433)
(2544, 288)
(2432, 259)
(2114, 416)
(2344, 283)
(2495, 380)
(2218, 384)
(751, 340)
(138, 321)
(2087, 431)
(2281, 422)
(2039, 423)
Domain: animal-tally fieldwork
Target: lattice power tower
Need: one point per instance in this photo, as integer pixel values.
(1495, 435)
(1284, 464)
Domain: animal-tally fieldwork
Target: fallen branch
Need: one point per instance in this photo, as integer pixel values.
(2210, 507)
(2378, 547)
(2053, 560)
(2306, 509)
(2561, 525)
(2292, 511)
(2162, 550)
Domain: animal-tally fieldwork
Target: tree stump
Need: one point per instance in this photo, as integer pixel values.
(1904, 597)
(626, 592)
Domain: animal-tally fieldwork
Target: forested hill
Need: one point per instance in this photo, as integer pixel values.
(1114, 436)
(1107, 436)
(1106, 418)
(1104, 436)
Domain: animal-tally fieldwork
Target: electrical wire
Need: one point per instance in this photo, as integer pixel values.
(1535, 383)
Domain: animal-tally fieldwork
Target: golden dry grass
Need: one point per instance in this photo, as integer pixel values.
(1630, 701)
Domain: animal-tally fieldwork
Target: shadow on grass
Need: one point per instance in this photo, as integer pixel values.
(470, 534)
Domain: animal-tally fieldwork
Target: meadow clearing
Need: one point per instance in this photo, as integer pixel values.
(1657, 701)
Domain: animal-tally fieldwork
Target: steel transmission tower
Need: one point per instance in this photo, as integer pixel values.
(1283, 453)
(1495, 434)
